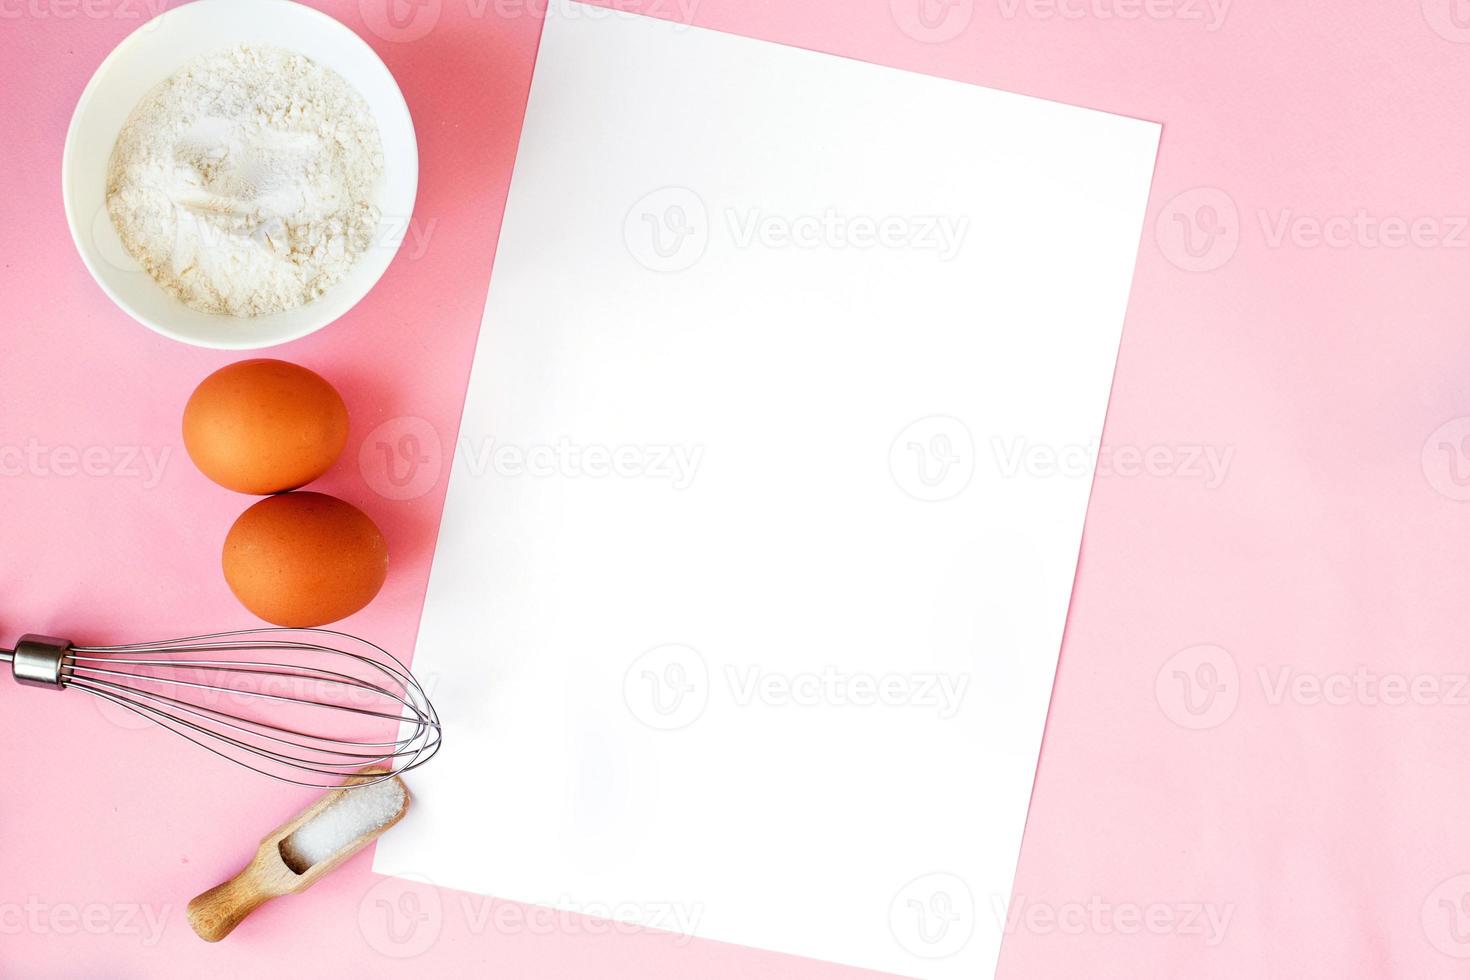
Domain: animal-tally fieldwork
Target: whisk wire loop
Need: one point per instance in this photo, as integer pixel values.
(261, 699)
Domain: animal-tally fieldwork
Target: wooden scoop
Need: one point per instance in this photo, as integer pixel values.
(270, 874)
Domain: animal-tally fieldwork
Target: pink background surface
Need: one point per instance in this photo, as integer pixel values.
(1179, 781)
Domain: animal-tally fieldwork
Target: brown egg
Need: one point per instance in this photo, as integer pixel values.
(264, 426)
(304, 559)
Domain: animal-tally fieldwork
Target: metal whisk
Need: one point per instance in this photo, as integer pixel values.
(285, 703)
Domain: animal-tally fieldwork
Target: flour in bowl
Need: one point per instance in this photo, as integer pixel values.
(244, 183)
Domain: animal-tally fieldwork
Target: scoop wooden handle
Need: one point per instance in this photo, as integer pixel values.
(216, 913)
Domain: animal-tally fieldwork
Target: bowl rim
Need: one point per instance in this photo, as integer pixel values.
(398, 106)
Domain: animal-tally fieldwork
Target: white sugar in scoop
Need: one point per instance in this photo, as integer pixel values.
(345, 821)
(301, 851)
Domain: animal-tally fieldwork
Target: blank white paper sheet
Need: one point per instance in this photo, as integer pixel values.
(767, 500)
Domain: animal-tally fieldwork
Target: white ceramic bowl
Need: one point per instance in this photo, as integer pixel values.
(157, 50)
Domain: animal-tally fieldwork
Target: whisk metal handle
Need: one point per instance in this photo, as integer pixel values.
(38, 661)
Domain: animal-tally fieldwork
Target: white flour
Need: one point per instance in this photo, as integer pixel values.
(244, 183)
